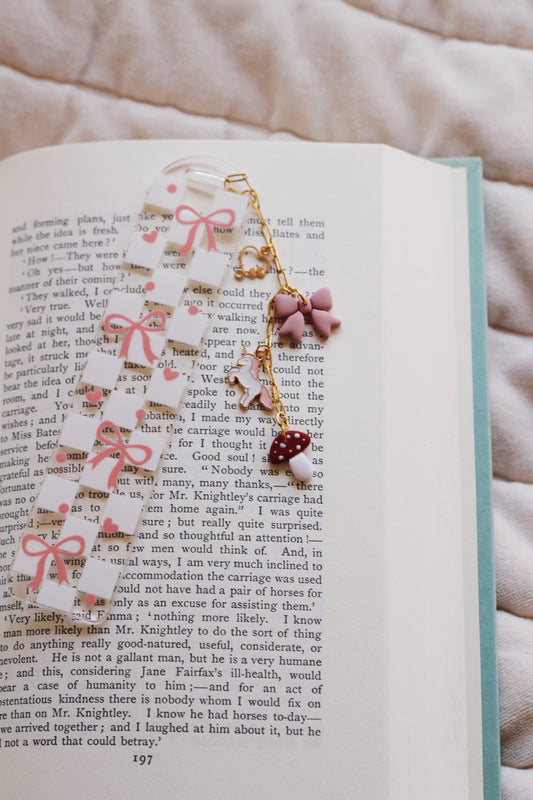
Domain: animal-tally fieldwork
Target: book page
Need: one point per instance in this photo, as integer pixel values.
(425, 512)
(248, 631)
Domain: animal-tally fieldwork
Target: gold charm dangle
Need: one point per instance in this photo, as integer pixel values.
(289, 445)
(262, 255)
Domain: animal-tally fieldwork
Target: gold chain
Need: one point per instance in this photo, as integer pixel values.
(264, 353)
(270, 252)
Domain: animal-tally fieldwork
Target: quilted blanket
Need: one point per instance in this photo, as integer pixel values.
(434, 77)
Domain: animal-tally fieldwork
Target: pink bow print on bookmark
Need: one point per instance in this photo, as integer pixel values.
(118, 446)
(57, 551)
(317, 306)
(111, 326)
(222, 218)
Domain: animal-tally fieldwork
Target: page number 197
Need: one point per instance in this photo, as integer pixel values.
(142, 759)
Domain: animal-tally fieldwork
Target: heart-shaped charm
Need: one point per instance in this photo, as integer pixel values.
(150, 237)
(261, 256)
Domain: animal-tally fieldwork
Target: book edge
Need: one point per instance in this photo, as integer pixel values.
(483, 461)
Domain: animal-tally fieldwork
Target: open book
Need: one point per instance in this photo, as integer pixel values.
(267, 639)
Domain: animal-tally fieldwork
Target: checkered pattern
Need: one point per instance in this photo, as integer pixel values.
(105, 446)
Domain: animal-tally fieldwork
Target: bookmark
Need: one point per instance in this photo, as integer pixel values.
(105, 464)
(289, 303)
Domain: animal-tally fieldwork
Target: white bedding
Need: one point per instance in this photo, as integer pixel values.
(435, 77)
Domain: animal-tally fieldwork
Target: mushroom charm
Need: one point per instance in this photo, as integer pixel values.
(290, 447)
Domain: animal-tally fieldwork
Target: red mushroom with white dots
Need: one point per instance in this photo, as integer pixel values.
(289, 447)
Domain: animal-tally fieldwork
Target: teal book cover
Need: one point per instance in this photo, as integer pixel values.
(486, 572)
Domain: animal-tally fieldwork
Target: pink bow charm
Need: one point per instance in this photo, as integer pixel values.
(318, 306)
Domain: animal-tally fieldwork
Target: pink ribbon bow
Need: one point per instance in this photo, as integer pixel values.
(130, 329)
(295, 309)
(208, 221)
(57, 552)
(121, 447)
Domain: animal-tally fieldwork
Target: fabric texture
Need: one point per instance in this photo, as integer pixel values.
(434, 77)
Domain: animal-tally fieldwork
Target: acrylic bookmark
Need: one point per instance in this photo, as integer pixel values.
(105, 464)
